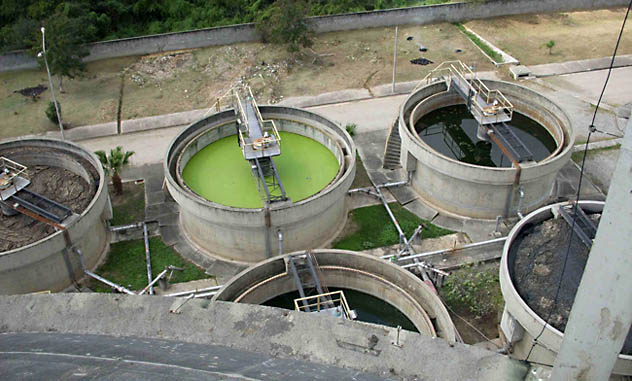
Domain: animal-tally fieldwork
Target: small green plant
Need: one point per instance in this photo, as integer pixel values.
(51, 113)
(549, 45)
(351, 128)
(113, 163)
(474, 289)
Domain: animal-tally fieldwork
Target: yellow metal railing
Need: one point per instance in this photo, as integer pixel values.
(496, 102)
(324, 301)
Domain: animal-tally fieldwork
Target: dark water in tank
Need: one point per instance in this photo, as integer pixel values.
(451, 131)
(368, 308)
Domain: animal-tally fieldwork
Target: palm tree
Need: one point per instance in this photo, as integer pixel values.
(113, 163)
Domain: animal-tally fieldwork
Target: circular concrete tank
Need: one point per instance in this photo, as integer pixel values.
(520, 323)
(479, 191)
(240, 234)
(348, 270)
(39, 264)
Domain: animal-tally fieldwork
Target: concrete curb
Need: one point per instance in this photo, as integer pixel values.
(579, 66)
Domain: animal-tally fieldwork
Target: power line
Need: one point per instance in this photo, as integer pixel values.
(592, 129)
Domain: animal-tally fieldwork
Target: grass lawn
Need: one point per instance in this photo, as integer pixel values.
(375, 229)
(126, 265)
(128, 207)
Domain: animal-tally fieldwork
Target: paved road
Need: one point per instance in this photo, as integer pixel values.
(50, 356)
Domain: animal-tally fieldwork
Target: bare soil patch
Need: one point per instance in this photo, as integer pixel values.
(577, 35)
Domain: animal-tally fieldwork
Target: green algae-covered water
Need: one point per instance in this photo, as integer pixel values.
(220, 173)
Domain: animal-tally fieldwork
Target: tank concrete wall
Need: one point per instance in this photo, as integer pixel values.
(452, 12)
(238, 233)
(476, 191)
(516, 309)
(351, 270)
(42, 265)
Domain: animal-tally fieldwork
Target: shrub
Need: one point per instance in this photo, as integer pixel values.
(474, 289)
(51, 113)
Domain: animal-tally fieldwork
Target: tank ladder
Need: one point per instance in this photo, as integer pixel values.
(308, 276)
(583, 227)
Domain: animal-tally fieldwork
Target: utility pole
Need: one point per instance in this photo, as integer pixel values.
(394, 61)
(50, 83)
(602, 312)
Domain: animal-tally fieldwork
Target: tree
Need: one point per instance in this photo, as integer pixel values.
(67, 31)
(285, 22)
(549, 45)
(113, 164)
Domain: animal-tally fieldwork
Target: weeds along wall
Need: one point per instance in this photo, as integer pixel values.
(451, 12)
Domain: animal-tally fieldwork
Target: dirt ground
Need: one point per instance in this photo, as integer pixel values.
(185, 80)
(52, 182)
(181, 81)
(577, 35)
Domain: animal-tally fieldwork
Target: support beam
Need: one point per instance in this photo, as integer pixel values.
(602, 312)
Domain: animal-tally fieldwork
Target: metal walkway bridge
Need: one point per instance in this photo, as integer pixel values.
(490, 108)
(14, 196)
(259, 141)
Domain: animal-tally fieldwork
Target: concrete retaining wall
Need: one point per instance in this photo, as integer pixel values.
(351, 270)
(452, 12)
(240, 234)
(42, 264)
(476, 191)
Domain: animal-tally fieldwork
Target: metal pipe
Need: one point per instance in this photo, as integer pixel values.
(153, 281)
(126, 227)
(109, 283)
(280, 234)
(148, 258)
(363, 190)
(185, 293)
(435, 252)
(393, 184)
(117, 287)
(519, 211)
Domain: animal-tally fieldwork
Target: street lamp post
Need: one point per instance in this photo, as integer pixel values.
(50, 83)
